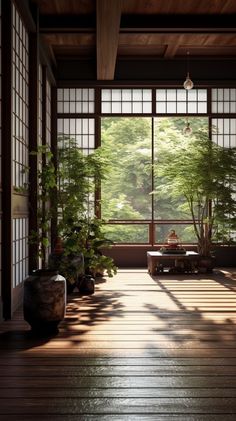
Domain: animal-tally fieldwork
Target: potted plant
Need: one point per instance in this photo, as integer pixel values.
(44, 290)
(96, 263)
(80, 229)
(205, 175)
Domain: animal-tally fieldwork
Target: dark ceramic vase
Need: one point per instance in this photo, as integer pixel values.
(86, 285)
(44, 300)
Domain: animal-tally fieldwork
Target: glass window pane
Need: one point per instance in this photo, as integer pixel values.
(181, 95)
(126, 107)
(147, 107)
(192, 95)
(116, 107)
(192, 107)
(116, 94)
(232, 107)
(168, 134)
(85, 108)
(91, 125)
(202, 95)
(181, 107)
(226, 94)
(78, 94)
(72, 94)
(214, 94)
(161, 108)
(171, 108)
(126, 95)
(126, 192)
(171, 94)
(60, 107)
(233, 141)
(226, 125)
(125, 233)
(202, 107)
(233, 125)
(226, 107)
(72, 107)
(161, 94)
(60, 94)
(147, 95)
(106, 94)
(106, 107)
(91, 94)
(137, 95)
(66, 94)
(137, 107)
(185, 232)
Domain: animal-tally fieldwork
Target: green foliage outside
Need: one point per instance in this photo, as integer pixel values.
(204, 174)
(127, 192)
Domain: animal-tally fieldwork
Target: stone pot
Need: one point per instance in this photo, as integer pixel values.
(44, 300)
(86, 285)
(206, 264)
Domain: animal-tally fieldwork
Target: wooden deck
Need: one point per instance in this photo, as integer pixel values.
(142, 348)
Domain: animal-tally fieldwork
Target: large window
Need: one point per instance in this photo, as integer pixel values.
(20, 98)
(135, 126)
(134, 145)
(20, 142)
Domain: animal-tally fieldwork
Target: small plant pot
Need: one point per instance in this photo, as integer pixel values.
(44, 300)
(86, 285)
(205, 264)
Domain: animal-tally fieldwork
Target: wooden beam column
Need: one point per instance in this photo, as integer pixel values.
(54, 232)
(7, 158)
(108, 25)
(33, 143)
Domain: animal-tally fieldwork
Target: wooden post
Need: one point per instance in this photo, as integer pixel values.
(7, 158)
(33, 144)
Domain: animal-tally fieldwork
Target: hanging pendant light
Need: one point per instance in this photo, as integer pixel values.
(187, 131)
(188, 84)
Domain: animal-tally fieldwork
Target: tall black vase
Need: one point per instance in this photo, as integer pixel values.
(44, 300)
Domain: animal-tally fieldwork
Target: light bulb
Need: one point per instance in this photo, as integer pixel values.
(188, 84)
(187, 130)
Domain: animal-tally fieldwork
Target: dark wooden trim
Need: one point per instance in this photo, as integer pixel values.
(107, 37)
(44, 107)
(97, 144)
(27, 14)
(7, 158)
(143, 83)
(47, 58)
(141, 23)
(67, 23)
(44, 142)
(178, 23)
(33, 143)
(152, 225)
(54, 151)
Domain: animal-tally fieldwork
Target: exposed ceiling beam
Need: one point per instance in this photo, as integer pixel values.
(144, 23)
(171, 50)
(178, 23)
(67, 23)
(108, 26)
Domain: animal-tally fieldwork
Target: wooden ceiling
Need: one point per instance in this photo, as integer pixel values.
(107, 30)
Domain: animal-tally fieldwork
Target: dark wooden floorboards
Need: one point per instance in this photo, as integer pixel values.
(141, 348)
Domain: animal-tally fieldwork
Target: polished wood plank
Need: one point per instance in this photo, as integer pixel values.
(141, 348)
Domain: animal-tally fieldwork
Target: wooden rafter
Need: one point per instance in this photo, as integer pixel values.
(108, 25)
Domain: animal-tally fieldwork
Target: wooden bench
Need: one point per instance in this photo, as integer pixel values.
(158, 261)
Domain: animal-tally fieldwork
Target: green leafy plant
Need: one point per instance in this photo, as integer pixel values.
(46, 175)
(205, 175)
(79, 175)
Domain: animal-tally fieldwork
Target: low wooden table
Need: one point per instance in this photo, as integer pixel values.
(157, 261)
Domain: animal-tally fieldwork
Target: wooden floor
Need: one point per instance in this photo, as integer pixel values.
(141, 348)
